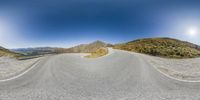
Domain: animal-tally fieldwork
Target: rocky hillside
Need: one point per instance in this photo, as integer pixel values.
(164, 47)
(85, 48)
(6, 52)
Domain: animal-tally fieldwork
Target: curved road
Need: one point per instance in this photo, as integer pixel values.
(119, 76)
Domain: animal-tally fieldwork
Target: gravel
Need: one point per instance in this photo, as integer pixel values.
(183, 69)
(10, 67)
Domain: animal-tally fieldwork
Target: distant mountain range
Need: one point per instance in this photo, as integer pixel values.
(163, 47)
(35, 51)
(83, 48)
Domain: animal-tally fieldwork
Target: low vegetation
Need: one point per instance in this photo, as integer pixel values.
(164, 47)
(19, 56)
(98, 53)
(8, 53)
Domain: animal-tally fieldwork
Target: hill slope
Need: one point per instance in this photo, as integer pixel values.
(85, 48)
(165, 47)
(6, 52)
(36, 51)
(98, 53)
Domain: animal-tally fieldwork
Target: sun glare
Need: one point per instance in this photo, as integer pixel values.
(192, 31)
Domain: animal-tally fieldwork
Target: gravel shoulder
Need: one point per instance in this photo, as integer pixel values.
(10, 67)
(182, 69)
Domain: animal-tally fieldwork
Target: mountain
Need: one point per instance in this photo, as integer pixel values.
(164, 47)
(6, 52)
(35, 51)
(85, 48)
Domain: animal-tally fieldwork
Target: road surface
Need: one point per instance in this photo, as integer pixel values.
(119, 76)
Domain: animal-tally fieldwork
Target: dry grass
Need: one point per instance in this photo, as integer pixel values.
(98, 53)
(86, 48)
(163, 47)
(8, 53)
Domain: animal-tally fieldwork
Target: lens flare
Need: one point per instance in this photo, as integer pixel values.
(192, 31)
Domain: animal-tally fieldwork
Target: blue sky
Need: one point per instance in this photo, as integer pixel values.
(64, 23)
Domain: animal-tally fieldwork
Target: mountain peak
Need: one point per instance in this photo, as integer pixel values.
(87, 48)
(98, 42)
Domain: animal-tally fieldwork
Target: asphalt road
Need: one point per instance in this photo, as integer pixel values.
(117, 76)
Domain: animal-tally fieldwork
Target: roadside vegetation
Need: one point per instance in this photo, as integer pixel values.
(8, 53)
(163, 47)
(19, 56)
(98, 53)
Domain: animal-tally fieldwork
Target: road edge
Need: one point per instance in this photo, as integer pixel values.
(166, 75)
(22, 72)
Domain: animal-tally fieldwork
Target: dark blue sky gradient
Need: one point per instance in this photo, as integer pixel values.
(65, 22)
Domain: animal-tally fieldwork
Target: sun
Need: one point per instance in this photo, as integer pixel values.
(192, 31)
